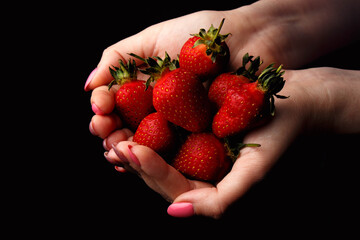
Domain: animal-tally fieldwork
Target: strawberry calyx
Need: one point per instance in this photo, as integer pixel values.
(213, 40)
(123, 74)
(253, 67)
(157, 66)
(271, 81)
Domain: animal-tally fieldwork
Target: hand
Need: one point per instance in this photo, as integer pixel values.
(155, 40)
(276, 32)
(301, 111)
(315, 94)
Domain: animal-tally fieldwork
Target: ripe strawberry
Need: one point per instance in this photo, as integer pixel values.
(179, 95)
(182, 99)
(205, 54)
(131, 100)
(246, 105)
(157, 133)
(202, 157)
(220, 86)
(205, 157)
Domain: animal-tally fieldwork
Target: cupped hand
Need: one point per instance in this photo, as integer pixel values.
(315, 95)
(190, 197)
(169, 36)
(311, 104)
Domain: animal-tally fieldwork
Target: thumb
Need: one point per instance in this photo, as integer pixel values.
(213, 201)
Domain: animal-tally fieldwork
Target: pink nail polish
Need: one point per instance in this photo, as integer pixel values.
(133, 156)
(120, 169)
(96, 109)
(91, 129)
(181, 210)
(88, 80)
(120, 155)
(105, 144)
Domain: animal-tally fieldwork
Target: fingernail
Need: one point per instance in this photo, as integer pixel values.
(120, 155)
(110, 160)
(91, 129)
(105, 144)
(90, 77)
(120, 169)
(181, 210)
(133, 156)
(96, 109)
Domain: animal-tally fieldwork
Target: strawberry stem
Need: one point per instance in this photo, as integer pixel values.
(243, 145)
(233, 151)
(217, 33)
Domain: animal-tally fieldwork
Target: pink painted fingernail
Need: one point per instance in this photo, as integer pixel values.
(105, 144)
(120, 155)
(90, 77)
(120, 169)
(133, 156)
(181, 210)
(96, 109)
(91, 129)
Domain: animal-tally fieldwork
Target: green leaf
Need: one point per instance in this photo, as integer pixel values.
(198, 42)
(111, 84)
(272, 105)
(213, 57)
(152, 63)
(136, 56)
(202, 33)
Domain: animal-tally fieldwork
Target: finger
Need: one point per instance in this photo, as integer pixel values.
(156, 173)
(103, 100)
(119, 166)
(120, 162)
(250, 167)
(213, 201)
(116, 137)
(103, 125)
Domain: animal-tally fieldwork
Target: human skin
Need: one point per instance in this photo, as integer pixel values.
(288, 32)
(320, 98)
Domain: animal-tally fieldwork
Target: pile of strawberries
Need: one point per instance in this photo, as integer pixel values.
(197, 130)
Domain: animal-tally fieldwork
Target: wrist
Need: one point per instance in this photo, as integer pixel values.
(326, 99)
(296, 32)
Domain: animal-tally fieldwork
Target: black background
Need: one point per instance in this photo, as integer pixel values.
(67, 188)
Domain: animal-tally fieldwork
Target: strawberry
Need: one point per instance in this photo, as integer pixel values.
(205, 54)
(179, 95)
(157, 133)
(182, 99)
(205, 157)
(246, 105)
(220, 86)
(202, 157)
(131, 100)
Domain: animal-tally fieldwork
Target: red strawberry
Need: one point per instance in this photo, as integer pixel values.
(157, 133)
(221, 85)
(131, 100)
(182, 99)
(205, 54)
(179, 95)
(224, 82)
(245, 106)
(202, 157)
